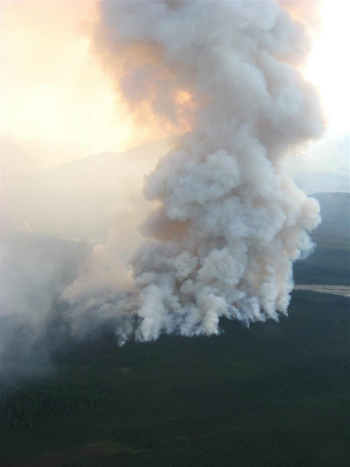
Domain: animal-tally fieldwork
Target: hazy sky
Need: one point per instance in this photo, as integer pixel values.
(54, 88)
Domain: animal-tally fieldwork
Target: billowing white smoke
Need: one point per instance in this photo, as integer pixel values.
(229, 224)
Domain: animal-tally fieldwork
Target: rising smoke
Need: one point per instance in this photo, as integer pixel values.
(227, 223)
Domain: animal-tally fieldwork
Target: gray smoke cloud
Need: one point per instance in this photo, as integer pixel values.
(227, 223)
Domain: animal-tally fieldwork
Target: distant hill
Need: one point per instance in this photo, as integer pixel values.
(16, 161)
(330, 262)
(326, 167)
(335, 226)
(20, 156)
(81, 199)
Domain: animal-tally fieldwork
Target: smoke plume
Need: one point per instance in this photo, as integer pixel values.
(227, 224)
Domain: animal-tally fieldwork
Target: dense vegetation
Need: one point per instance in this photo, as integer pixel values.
(330, 262)
(275, 394)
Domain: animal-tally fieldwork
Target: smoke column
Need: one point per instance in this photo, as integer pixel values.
(228, 223)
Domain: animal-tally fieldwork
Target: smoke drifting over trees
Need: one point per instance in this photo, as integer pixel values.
(228, 223)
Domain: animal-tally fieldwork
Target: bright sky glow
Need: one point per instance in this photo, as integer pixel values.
(53, 88)
(329, 67)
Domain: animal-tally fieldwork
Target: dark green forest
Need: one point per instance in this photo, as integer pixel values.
(276, 394)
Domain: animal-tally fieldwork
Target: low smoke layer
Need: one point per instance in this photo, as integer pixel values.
(34, 270)
(228, 223)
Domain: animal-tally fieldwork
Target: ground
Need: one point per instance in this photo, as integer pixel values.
(275, 394)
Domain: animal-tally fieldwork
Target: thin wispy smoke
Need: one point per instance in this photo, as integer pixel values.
(228, 223)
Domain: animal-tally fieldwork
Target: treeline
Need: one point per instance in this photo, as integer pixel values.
(32, 405)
